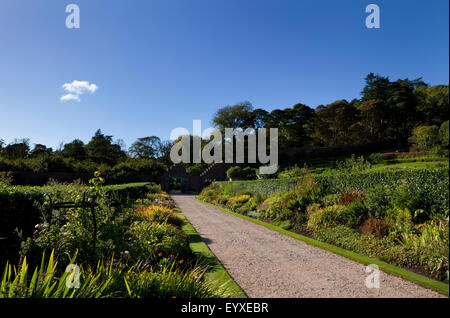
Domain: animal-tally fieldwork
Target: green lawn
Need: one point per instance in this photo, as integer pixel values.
(427, 161)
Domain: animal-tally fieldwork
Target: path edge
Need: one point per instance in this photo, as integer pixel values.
(366, 260)
(218, 273)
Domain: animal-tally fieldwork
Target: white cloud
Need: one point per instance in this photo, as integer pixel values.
(76, 89)
(68, 97)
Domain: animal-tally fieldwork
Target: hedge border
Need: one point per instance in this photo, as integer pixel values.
(217, 274)
(388, 268)
(360, 180)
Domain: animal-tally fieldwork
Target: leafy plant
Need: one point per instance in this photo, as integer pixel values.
(159, 214)
(238, 173)
(44, 282)
(377, 201)
(143, 282)
(238, 201)
(375, 158)
(6, 178)
(353, 164)
(326, 217)
(147, 240)
(293, 172)
(425, 137)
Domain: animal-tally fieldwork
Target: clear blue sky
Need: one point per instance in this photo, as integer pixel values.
(159, 64)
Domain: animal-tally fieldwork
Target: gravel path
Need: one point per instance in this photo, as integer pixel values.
(266, 263)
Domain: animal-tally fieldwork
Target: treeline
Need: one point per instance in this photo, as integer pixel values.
(386, 111)
(145, 160)
(409, 112)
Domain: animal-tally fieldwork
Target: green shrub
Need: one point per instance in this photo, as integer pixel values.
(431, 243)
(237, 202)
(210, 193)
(195, 169)
(95, 232)
(222, 199)
(353, 164)
(443, 134)
(247, 207)
(329, 199)
(377, 202)
(275, 207)
(339, 235)
(293, 172)
(6, 178)
(154, 188)
(147, 240)
(285, 225)
(159, 214)
(354, 214)
(425, 137)
(326, 217)
(375, 158)
(238, 173)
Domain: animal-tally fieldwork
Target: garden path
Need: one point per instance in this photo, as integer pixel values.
(266, 263)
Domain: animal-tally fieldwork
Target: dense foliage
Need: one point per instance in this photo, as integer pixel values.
(131, 247)
(146, 160)
(398, 215)
(239, 173)
(387, 110)
(21, 207)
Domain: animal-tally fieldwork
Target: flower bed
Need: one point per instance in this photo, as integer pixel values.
(400, 217)
(128, 250)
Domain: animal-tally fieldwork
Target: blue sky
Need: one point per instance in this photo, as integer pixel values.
(159, 64)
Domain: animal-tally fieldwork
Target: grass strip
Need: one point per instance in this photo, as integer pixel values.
(216, 273)
(388, 268)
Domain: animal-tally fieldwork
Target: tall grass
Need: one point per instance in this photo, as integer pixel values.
(44, 283)
(138, 281)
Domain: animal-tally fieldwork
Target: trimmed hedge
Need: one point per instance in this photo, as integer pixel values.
(39, 170)
(123, 192)
(335, 182)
